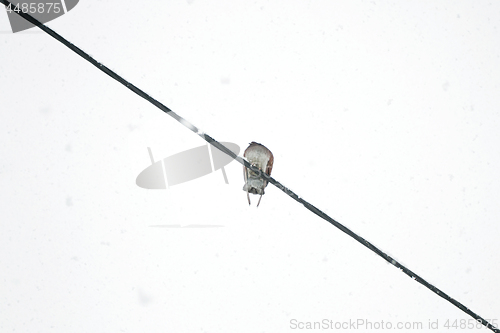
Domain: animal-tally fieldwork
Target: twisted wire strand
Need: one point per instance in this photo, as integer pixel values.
(245, 163)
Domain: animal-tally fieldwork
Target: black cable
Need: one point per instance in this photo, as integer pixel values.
(248, 165)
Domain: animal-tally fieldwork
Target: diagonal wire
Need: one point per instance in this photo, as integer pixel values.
(244, 162)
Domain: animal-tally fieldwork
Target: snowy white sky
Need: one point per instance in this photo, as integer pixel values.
(385, 115)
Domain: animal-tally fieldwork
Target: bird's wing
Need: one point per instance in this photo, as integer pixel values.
(245, 175)
(245, 171)
(270, 164)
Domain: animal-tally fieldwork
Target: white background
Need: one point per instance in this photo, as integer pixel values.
(385, 115)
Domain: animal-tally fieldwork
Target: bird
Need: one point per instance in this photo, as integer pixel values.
(262, 158)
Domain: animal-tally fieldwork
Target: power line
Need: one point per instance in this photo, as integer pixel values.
(244, 162)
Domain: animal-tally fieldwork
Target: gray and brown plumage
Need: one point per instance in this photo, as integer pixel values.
(262, 158)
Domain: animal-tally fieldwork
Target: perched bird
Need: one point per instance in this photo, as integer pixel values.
(262, 158)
